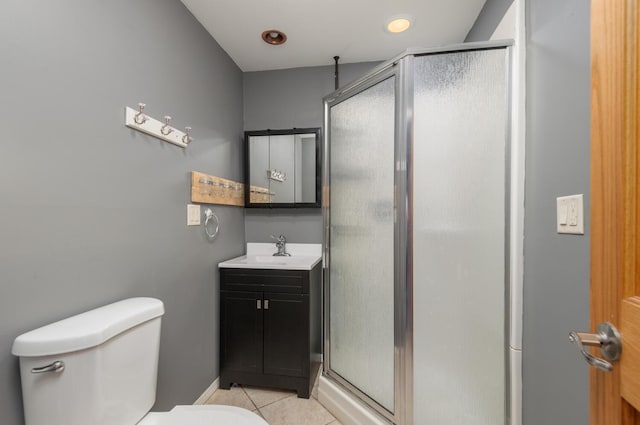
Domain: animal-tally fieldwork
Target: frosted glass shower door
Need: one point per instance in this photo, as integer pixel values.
(361, 235)
(459, 238)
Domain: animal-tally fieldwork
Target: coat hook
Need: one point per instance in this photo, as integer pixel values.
(140, 118)
(186, 139)
(166, 130)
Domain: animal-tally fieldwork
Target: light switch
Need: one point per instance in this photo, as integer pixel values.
(563, 211)
(570, 214)
(193, 215)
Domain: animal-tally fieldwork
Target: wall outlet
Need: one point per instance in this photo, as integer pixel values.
(570, 214)
(193, 215)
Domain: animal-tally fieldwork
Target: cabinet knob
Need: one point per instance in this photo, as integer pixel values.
(266, 304)
(259, 304)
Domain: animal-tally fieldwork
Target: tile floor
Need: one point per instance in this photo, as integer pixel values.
(277, 407)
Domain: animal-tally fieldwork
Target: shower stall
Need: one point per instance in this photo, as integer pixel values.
(416, 226)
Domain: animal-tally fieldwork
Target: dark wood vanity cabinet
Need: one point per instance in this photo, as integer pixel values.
(269, 325)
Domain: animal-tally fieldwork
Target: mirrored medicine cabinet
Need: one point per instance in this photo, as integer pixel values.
(282, 168)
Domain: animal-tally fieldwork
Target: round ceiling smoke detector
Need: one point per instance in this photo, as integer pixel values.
(274, 37)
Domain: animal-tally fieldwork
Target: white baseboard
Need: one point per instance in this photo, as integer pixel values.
(206, 395)
(317, 357)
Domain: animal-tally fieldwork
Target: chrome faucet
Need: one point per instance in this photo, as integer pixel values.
(281, 244)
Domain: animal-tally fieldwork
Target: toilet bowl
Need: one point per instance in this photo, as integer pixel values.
(203, 415)
(100, 368)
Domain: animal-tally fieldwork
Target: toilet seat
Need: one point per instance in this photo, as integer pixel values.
(203, 415)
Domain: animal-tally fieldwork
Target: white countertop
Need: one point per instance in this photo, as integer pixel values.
(260, 256)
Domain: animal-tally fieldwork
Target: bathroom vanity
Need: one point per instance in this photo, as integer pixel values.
(270, 316)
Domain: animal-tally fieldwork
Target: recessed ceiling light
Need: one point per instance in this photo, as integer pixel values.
(398, 24)
(275, 37)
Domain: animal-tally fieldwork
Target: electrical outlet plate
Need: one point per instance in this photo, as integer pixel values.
(193, 215)
(570, 214)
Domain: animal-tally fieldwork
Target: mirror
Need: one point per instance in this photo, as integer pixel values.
(282, 168)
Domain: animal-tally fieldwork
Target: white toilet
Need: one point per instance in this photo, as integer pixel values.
(100, 368)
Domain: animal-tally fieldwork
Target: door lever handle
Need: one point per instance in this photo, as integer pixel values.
(607, 338)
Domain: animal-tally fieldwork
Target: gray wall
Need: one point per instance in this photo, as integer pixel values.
(93, 212)
(488, 20)
(286, 99)
(556, 288)
(556, 267)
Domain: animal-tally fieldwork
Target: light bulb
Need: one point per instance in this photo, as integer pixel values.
(398, 25)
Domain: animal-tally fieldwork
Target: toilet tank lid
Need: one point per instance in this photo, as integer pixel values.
(87, 329)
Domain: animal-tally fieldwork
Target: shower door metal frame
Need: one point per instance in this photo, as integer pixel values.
(380, 74)
(402, 68)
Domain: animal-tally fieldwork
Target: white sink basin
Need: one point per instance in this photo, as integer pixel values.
(262, 262)
(273, 259)
(260, 256)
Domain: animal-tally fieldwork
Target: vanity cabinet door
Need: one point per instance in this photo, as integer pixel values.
(241, 331)
(286, 334)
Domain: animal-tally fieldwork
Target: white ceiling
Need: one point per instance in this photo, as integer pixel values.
(317, 30)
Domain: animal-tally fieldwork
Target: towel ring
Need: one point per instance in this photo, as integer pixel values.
(211, 218)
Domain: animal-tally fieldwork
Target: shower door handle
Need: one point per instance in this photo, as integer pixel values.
(607, 338)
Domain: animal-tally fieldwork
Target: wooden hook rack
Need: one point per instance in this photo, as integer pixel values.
(206, 189)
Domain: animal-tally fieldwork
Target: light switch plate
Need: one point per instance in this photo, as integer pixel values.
(193, 215)
(570, 214)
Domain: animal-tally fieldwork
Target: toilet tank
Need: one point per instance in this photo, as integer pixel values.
(110, 364)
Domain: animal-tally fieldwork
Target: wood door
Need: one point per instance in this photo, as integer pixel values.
(615, 199)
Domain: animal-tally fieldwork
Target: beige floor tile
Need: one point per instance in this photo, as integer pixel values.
(335, 423)
(296, 411)
(233, 397)
(264, 396)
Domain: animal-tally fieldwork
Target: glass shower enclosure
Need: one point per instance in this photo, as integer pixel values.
(416, 219)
